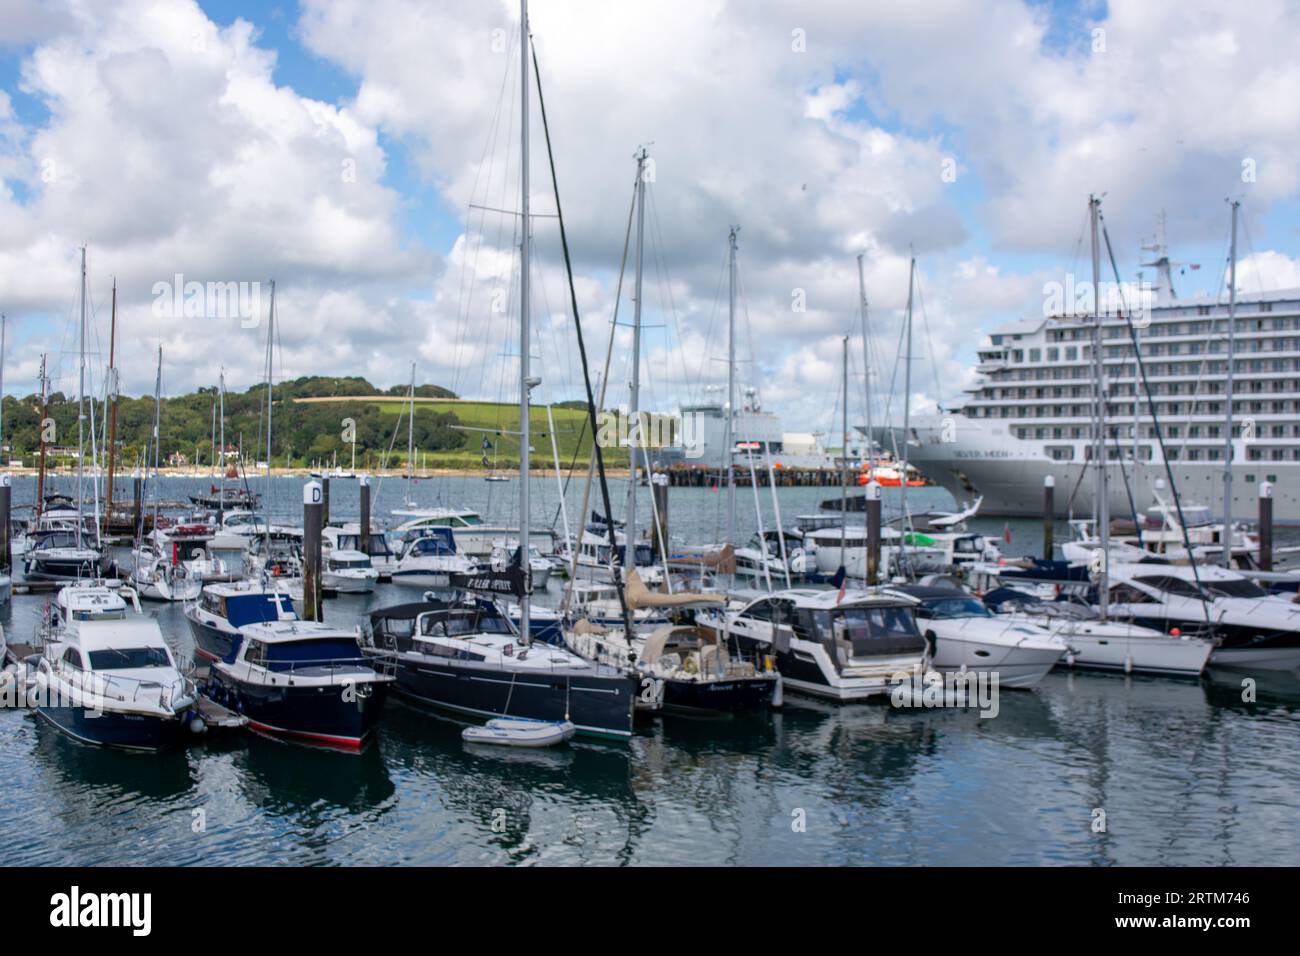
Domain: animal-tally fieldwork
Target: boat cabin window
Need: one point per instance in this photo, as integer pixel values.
(255, 654)
(872, 630)
(1171, 585)
(1127, 594)
(319, 652)
(114, 658)
(1235, 589)
(338, 564)
(758, 611)
(98, 614)
(945, 608)
(72, 656)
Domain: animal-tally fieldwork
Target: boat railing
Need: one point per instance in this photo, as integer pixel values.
(127, 690)
(324, 667)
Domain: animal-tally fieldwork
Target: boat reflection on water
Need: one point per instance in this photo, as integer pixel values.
(1235, 688)
(312, 783)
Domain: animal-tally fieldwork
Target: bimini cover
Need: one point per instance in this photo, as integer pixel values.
(638, 596)
(653, 649)
(722, 561)
(257, 608)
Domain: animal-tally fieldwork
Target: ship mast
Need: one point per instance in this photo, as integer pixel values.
(1226, 535)
(728, 446)
(40, 472)
(112, 408)
(907, 405)
(866, 358)
(81, 397)
(1101, 504)
(526, 382)
(629, 548)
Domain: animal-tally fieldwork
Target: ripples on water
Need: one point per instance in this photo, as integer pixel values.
(1186, 772)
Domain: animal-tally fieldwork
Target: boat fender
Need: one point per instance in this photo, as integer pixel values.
(198, 725)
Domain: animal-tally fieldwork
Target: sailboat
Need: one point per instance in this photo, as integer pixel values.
(463, 654)
(70, 553)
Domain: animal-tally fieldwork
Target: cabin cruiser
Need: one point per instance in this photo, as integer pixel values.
(683, 668)
(62, 556)
(474, 539)
(156, 578)
(107, 676)
(905, 555)
(598, 559)
(841, 646)
(506, 553)
(383, 558)
(222, 609)
(301, 679)
(430, 559)
(464, 655)
(1251, 628)
(965, 636)
(1091, 642)
(347, 572)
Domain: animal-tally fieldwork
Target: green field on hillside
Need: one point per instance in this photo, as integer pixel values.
(496, 418)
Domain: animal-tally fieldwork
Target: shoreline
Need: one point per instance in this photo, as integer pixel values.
(422, 475)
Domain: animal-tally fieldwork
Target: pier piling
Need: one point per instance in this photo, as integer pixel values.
(1265, 526)
(659, 526)
(1049, 490)
(325, 502)
(312, 513)
(6, 489)
(873, 532)
(137, 492)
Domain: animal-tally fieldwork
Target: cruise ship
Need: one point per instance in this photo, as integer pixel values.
(1028, 415)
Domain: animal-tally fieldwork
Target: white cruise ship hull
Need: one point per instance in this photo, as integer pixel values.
(982, 458)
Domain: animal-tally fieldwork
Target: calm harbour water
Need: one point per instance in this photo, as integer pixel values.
(1186, 772)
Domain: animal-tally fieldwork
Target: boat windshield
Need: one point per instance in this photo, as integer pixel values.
(462, 622)
(1235, 589)
(322, 652)
(944, 608)
(872, 630)
(124, 658)
(437, 544)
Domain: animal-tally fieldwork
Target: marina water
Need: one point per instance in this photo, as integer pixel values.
(1184, 772)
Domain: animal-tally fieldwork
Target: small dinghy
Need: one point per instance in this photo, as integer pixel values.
(520, 732)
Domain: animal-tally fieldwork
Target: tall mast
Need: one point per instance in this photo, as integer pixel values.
(112, 407)
(81, 396)
(1227, 429)
(729, 444)
(1102, 506)
(524, 378)
(907, 400)
(844, 453)
(221, 469)
(866, 357)
(45, 412)
(629, 552)
(410, 439)
(157, 419)
(270, 338)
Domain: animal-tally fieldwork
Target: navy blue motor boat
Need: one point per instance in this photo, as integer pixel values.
(465, 656)
(222, 609)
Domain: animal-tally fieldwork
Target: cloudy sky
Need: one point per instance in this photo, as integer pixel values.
(346, 148)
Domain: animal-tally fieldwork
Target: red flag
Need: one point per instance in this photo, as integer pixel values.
(1006, 533)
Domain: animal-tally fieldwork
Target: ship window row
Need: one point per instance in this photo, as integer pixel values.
(1117, 410)
(1153, 370)
(1172, 432)
(1159, 327)
(1157, 389)
(1145, 453)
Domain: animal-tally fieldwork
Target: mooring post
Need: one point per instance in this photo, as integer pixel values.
(1265, 527)
(325, 502)
(873, 531)
(364, 538)
(312, 512)
(659, 530)
(1049, 511)
(137, 492)
(6, 488)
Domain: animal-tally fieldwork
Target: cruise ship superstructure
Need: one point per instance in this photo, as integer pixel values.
(1029, 413)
